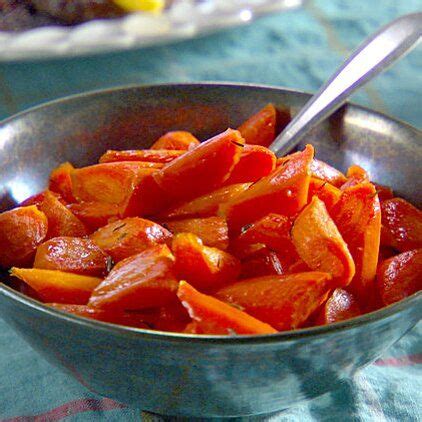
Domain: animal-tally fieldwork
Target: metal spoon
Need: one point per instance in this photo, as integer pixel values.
(372, 57)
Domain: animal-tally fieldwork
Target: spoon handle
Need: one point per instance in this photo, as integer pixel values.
(373, 56)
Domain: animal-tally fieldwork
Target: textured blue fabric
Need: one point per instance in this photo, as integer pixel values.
(298, 50)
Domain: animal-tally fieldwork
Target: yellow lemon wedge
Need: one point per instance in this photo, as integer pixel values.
(154, 6)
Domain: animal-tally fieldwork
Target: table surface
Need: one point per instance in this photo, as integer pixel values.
(298, 50)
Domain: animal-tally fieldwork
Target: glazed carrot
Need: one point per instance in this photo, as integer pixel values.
(261, 263)
(325, 191)
(216, 317)
(213, 231)
(206, 205)
(21, 231)
(384, 192)
(202, 266)
(199, 171)
(94, 214)
(319, 243)
(355, 176)
(340, 306)
(285, 302)
(61, 183)
(130, 236)
(177, 140)
(358, 218)
(143, 155)
(61, 221)
(58, 286)
(271, 231)
(325, 172)
(260, 128)
(111, 183)
(400, 276)
(401, 225)
(202, 169)
(255, 162)
(284, 191)
(73, 255)
(145, 280)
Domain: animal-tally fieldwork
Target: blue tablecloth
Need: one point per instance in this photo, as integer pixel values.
(299, 50)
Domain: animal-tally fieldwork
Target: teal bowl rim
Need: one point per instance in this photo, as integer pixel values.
(155, 335)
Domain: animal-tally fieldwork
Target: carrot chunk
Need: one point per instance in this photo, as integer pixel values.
(284, 191)
(177, 140)
(255, 162)
(61, 221)
(94, 214)
(213, 231)
(73, 255)
(260, 263)
(358, 218)
(340, 306)
(325, 191)
(260, 128)
(109, 182)
(320, 245)
(216, 317)
(130, 236)
(142, 155)
(21, 231)
(58, 286)
(206, 205)
(401, 225)
(400, 276)
(145, 280)
(202, 266)
(61, 182)
(325, 172)
(285, 302)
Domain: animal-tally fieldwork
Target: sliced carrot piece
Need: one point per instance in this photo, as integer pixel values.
(61, 182)
(216, 317)
(213, 231)
(325, 191)
(358, 218)
(202, 266)
(202, 169)
(262, 262)
(197, 172)
(340, 306)
(58, 286)
(255, 162)
(145, 280)
(271, 231)
(355, 176)
(325, 172)
(176, 140)
(143, 155)
(130, 319)
(319, 243)
(21, 231)
(73, 255)
(206, 205)
(284, 301)
(111, 183)
(400, 276)
(401, 225)
(94, 214)
(260, 128)
(285, 191)
(130, 236)
(61, 221)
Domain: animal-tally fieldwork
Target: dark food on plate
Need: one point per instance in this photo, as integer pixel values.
(18, 15)
(218, 237)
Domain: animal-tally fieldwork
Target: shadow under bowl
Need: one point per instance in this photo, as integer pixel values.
(174, 374)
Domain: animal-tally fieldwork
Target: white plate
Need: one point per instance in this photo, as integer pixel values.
(185, 19)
